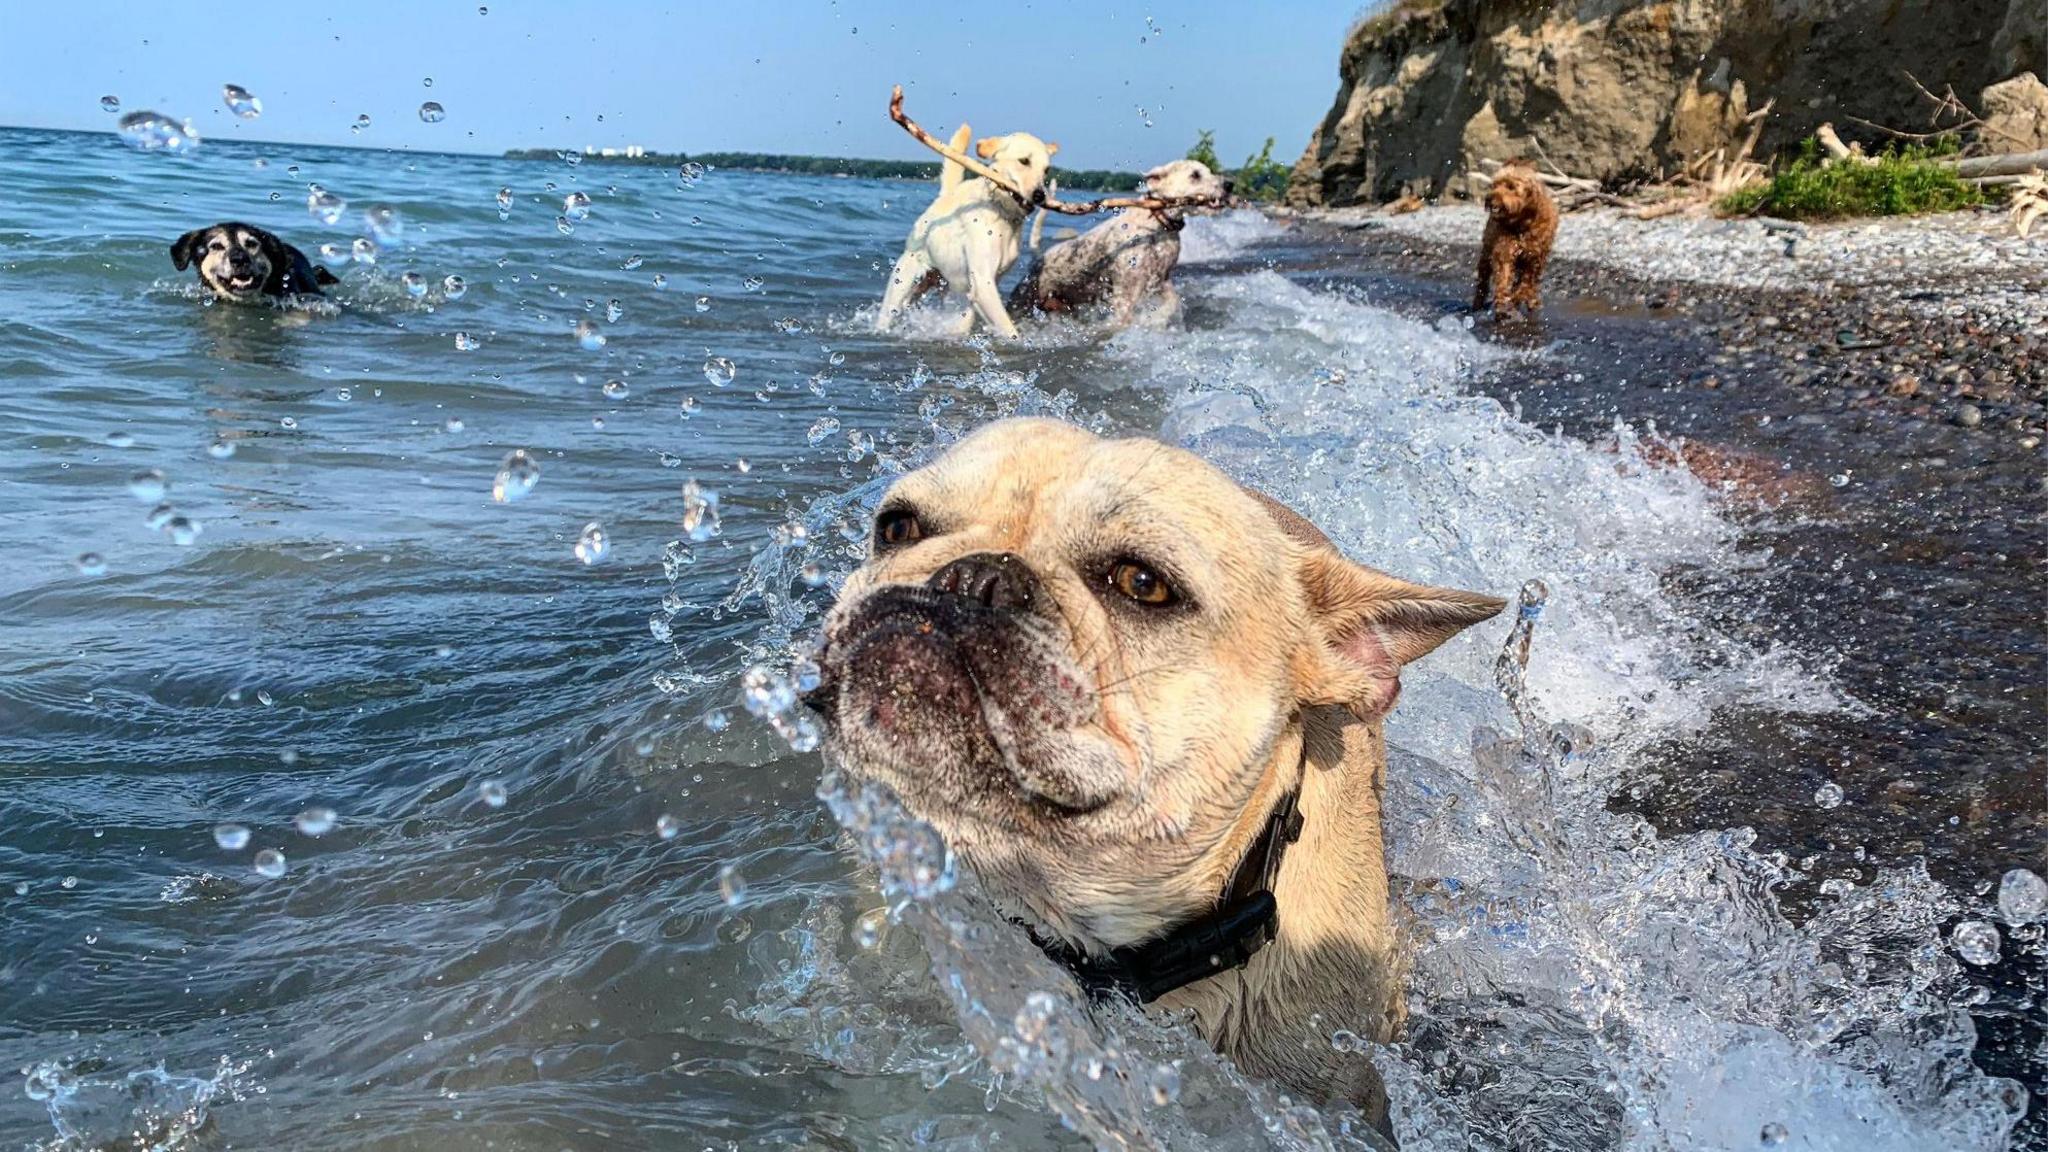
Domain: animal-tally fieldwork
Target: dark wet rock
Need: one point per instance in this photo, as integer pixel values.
(1968, 416)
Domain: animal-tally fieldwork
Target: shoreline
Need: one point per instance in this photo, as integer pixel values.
(1940, 316)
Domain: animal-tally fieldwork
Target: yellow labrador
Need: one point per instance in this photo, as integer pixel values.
(968, 237)
(1144, 705)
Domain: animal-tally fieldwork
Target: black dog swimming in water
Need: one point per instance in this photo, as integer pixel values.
(243, 262)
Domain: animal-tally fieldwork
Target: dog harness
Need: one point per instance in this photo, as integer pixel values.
(1244, 920)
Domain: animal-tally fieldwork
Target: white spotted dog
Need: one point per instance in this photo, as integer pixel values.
(1122, 269)
(969, 236)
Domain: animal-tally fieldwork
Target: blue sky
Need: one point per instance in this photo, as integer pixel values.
(1118, 86)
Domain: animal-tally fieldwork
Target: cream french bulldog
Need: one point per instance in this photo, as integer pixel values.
(1144, 705)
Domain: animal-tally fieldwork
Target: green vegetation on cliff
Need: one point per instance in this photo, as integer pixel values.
(1078, 178)
(1259, 178)
(1897, 183)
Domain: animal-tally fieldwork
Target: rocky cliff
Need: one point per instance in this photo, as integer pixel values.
(1626, 89)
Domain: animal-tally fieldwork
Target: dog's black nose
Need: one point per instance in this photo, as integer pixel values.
(992, 579)
(1038, 196)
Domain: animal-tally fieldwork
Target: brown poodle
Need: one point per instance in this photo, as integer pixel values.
(1521, 223)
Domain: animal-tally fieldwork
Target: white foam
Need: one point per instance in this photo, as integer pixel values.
(1219, 237)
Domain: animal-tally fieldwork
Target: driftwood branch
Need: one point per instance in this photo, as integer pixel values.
(2008, 164)
(1049, 204)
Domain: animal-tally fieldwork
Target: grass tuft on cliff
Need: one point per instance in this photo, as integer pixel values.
(1899, 183)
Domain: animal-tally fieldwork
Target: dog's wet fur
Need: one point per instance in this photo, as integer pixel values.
(1097, 667)
(1521, 226)
(242, 262)
(1121, 270)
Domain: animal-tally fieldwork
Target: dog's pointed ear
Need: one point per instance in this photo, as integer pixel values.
(323, 276)
(986, 147)
(1051, 149)
(1158, 173)
(1371, 625)
(186, 248)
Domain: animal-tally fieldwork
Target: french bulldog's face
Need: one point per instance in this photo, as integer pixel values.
(1022, 159)
(1075, 657)
(235, 260)
(1187, 179)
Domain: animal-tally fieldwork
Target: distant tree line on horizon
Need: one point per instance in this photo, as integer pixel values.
(1096, 179)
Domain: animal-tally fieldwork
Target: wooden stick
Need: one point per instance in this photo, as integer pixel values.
(1155, 203)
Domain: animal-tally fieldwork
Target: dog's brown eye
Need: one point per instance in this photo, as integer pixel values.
(898, 527)
(1141, 584)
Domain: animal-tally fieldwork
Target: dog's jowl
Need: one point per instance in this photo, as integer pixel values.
(1144, 704)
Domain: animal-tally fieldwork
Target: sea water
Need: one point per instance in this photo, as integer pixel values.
(411, 757)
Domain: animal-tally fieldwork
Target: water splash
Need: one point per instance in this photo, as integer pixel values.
(148, 1110)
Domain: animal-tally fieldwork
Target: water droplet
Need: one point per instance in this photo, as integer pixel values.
(110, 103)
(616, 389)
(753, 284)
(732, 887)
(156, 132)
(432, 112)
(1828, 795)
(288, 423)
(221, 449)
(453, 287)
(576, 206)
(464, 342)
(415, 285)
(452, 424)
(614, 312)
(362, 122)
(1839, 480)
(836, 359)
(325, 205)
(700, 512)
(867, 931)
(232, 837)
(789, 326)
(720, 371)
(492, 792)
(632, 262)
(344, 395)
(666, 827)
(1165, 1085)
(317, 821)
(91, 564)
(264, 698)
(517, 474)
(812, 575)
(1773, 1135)
(427, 82)
(718, 720)
(386, 226)
(703, 303)
(766, 692)
(821, 429)
(593, 545)
(363, 251)
(270, 863)
(483, 10)
(1345, 1040)
(120, 440)
(183, 530)
(2022, 897)
(1976, 942)
(158, 517)
(240, 101)
(68, 883)
(588, 335)
(504, 203)
(660, 282)
(148, 485)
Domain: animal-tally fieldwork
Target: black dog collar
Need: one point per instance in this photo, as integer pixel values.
(1243, 921)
